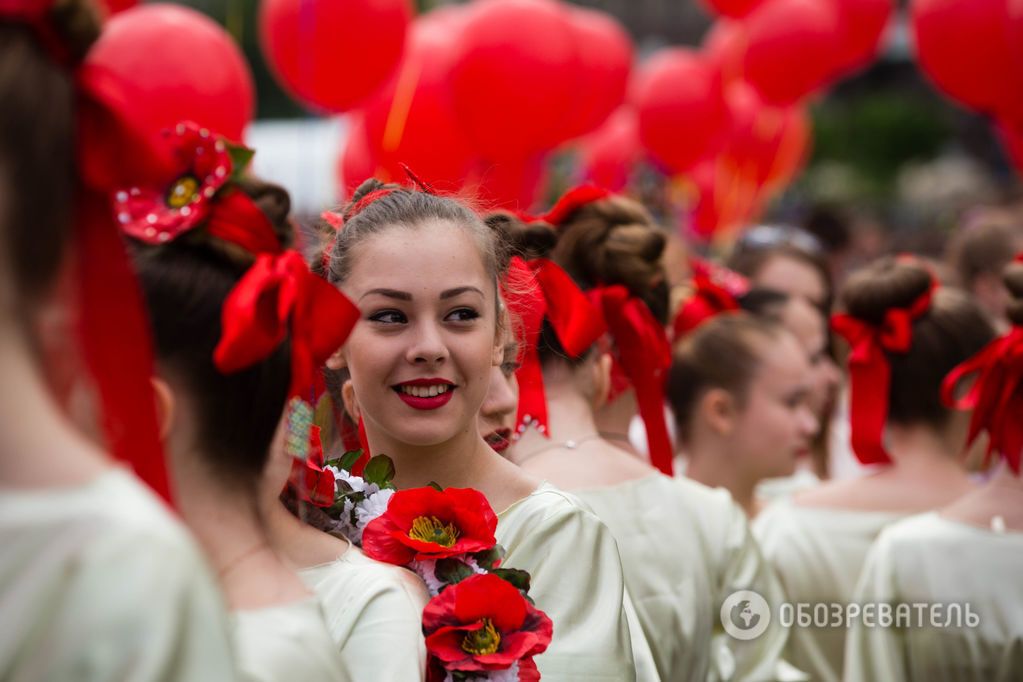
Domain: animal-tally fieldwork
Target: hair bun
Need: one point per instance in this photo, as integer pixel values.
(1013, 278)
(885, 284)
(528, 240)
(367, 186)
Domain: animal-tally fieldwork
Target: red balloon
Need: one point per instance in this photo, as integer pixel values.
(607, 156)
(605, 61)
(767, 144)
(112, 7)
(723, 48)
(356, 162)
(513, 184)
(863, 23)
(179, 65)
(681, 107)
(514, 78)
(792, 49)
(1012, 141)
(412, 119)
(732, 8)
(964, 47)
(331, 54)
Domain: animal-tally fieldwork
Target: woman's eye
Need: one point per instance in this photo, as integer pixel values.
(463, 315)
(388, 317)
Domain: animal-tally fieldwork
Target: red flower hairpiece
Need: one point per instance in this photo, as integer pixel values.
(870, 371)
(573, 200)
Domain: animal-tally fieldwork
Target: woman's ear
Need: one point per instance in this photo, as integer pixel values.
(718, 410)
(350, 401)
(337, 360)
(602, 380)
(165, 405)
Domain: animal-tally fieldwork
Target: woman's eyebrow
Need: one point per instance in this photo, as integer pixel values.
(451, 293)
(389, 293)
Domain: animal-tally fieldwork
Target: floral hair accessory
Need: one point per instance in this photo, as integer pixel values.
(870, 371)
(197, 192)
(572, 201)
(642, 359)
(484, 624)
(995, 397)
(536, 290)
(715, 290)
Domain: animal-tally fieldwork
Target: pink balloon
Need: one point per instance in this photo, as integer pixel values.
(180, 65)
(331, 54)
(681, 107)
(608, 155)
(863, 24)
(964, 47)
(792, 49)
(515, 76)
(412, 120)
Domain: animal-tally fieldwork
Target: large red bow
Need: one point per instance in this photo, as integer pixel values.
(113, 328)
(278, 295)
(571, 201)
(643, 355)
(709, 298)
(870, 372)
(995, 396)
(534, 290)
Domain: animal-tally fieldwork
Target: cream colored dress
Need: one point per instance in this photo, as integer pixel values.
(817, 553)
(101, 583)
(576, 579)
(374, 614)
(929, 559)
(286, 643)
(686, 547)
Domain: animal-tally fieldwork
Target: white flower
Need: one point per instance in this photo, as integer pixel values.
(507, 675)
(471, 563)
(373, 506)
(356, 483)
(426, 569)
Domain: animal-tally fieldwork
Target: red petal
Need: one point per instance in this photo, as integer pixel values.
(488, 596)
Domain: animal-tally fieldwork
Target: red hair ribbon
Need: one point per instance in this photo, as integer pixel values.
(571, 201)
(643, 355)
(313, 483)
(113, 328)
(535, 290)
(995, 397)
(715, 290)
(870, 371)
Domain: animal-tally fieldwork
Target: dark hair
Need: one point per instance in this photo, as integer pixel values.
(185, 284)
(984, 248)
(952, 330)
(763, 243)
(616, 241)
(407, 208)
(37, 149)
(723, 352)
(1013, 278)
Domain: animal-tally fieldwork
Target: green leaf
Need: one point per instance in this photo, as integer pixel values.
(379, 470)
(436, 486)
(451, 571)
(240, 158)
(489, 558)
(349, 459)
(515, 576)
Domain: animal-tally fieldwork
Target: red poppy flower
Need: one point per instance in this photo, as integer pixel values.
(425, 523)
(159, 214)
(484, 623)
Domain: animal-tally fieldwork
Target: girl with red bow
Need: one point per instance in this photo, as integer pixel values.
(231, 311)
(100, 580)
(425, 271)
(968, 552)
(904, 334)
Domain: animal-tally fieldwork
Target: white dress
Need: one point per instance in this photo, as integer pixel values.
(576, 579)
(101, 583)
(685, 547)
(817, 553)
(929, 559)
(374, 614)
(286, 643)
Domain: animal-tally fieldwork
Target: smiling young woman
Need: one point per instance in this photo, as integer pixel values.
(424, 272)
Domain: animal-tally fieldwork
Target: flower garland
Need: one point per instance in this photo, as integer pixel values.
(480, 623)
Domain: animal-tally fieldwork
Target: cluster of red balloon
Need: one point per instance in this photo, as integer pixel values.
(973, 51)
(483, 92)
(730, 118)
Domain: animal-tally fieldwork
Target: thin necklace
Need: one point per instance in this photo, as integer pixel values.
(233, 564)
(570, 444)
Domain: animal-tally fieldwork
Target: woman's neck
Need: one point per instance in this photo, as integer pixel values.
(39, 447)
(708, 462)
(301, 545)
(569, 418)
(614, 419)
(923, 453)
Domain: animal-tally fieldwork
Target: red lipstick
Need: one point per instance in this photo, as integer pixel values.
(498, 440)
(417, 393)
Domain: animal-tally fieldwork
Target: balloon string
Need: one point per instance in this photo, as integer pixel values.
(404, 93)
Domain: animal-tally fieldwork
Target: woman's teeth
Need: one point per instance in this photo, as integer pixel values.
(424, 391)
